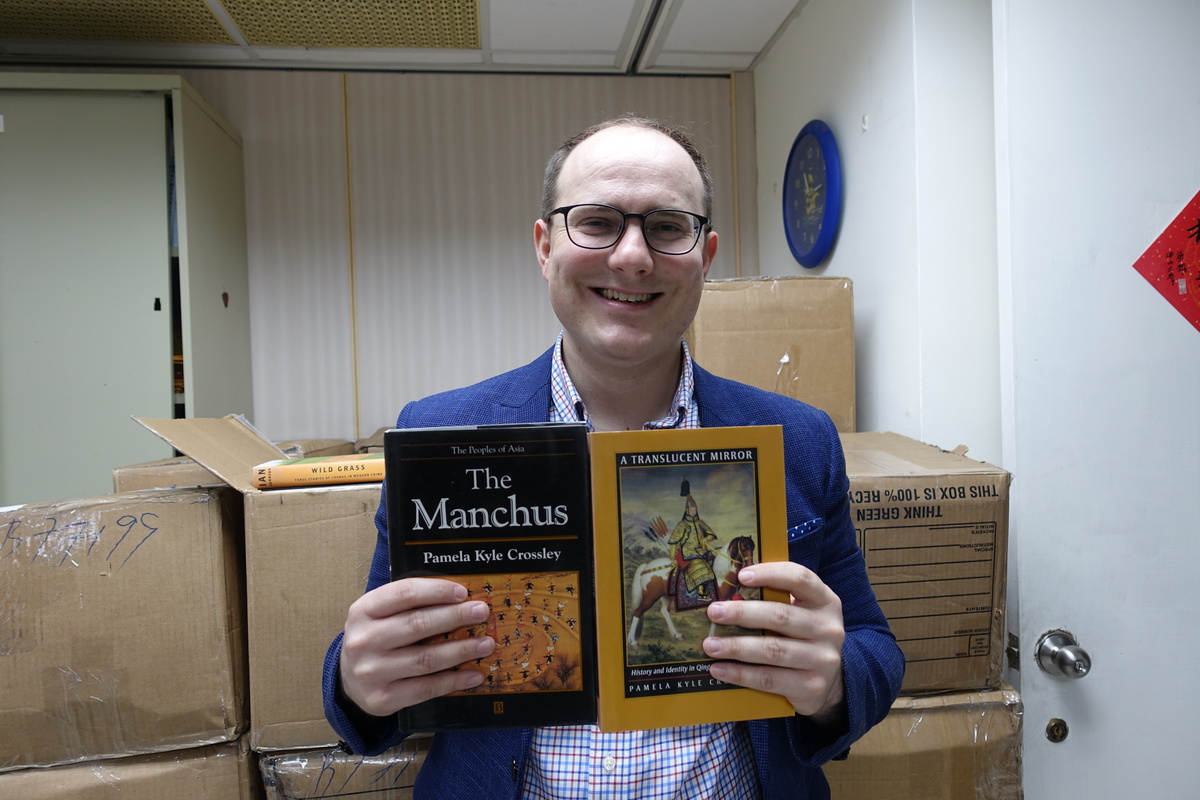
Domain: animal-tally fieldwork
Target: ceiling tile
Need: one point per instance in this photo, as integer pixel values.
(539, 36)
(562, 25)
(708, 35)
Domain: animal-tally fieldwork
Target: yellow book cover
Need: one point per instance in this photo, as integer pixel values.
(676, 513)
(317, 471)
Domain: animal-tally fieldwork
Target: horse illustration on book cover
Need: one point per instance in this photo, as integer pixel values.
(694, 563)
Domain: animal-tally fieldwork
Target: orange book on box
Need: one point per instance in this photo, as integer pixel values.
(320, 470)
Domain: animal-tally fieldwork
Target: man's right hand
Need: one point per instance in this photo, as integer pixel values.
(387, 663)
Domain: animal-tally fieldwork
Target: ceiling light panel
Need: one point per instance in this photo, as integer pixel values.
(401, 24)
(177, 22)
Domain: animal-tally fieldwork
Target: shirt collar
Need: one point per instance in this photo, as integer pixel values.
(567, 405)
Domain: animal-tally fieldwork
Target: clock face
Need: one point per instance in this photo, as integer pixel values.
(812, 194)
(809, 192)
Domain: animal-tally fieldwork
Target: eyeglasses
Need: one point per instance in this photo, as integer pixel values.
(666, 230)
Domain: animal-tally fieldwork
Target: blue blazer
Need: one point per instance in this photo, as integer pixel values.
(788, 752)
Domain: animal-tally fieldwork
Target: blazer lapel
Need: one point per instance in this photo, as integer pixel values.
(526, 396)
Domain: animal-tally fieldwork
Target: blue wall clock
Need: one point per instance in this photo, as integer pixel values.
(812, 194)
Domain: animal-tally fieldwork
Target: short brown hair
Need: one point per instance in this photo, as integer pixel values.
(555, 164)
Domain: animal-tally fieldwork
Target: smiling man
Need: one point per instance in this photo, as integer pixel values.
(624, 243)
(623, 305)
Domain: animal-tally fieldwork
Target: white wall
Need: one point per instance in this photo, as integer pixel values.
(390, 224)
(1097, 121)
(906, 88)
(1003, 308)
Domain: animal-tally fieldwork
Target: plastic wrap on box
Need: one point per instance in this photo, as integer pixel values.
(312, 448)
(329, 772)
(216, 772)
(937, 747)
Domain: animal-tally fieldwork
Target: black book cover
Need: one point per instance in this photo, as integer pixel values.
(505, 511)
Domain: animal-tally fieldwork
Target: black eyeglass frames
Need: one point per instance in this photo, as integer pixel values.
(669, 231)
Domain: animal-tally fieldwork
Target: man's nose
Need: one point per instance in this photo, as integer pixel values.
(631, 252)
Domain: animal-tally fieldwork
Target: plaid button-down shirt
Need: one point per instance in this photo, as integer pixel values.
(689, 763)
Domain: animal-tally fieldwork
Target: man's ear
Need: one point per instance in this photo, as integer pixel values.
(541, 243)
(708, 250)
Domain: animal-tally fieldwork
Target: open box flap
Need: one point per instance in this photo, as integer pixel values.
(229, 447)
(884, 454)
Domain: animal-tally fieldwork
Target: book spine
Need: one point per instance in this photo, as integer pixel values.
(314, 472)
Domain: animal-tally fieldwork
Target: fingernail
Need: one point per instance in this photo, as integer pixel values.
(746, 575)
(716, 612)
(712, 646)
(479, 612)
(484, 645)
(473, 678)
(460, 592)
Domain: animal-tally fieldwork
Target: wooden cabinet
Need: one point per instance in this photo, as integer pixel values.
(122, 274)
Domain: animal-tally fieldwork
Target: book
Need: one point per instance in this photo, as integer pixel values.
(598, 554)
(318, 470)
(505, 511)
(676, 514)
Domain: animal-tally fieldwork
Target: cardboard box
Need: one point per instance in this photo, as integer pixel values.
(933, 527)
(372, 443)
(121, 626)
(937, 747)
(181, 471)
(333, 773)
(164, 473)
(308, 551)
(218, 772)
(793, 335)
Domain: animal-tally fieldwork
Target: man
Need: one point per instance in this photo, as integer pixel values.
(691, 549)
(624, 246)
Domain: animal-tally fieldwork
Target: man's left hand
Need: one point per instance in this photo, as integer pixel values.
(800, 654)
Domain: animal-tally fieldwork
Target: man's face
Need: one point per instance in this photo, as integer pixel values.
(626, 306)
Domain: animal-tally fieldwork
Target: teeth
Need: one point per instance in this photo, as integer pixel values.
(625, 298)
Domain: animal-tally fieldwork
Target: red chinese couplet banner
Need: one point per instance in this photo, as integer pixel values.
(1172, 263)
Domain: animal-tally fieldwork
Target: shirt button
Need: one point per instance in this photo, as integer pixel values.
(610, 763)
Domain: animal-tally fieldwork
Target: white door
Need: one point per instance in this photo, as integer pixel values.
(85, 328)
(1098, 144)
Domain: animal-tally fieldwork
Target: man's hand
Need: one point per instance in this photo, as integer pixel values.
(386, 664)
(803, 659)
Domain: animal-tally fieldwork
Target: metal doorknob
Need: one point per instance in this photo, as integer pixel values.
(1059, 653)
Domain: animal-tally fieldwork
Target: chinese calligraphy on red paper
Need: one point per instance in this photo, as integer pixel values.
(1172, 263)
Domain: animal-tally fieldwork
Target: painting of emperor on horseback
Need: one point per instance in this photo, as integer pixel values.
(698, 565)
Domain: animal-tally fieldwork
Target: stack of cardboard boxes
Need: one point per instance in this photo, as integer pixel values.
(122, 634)
(168, 642)
(171, 640)
(933, 527)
